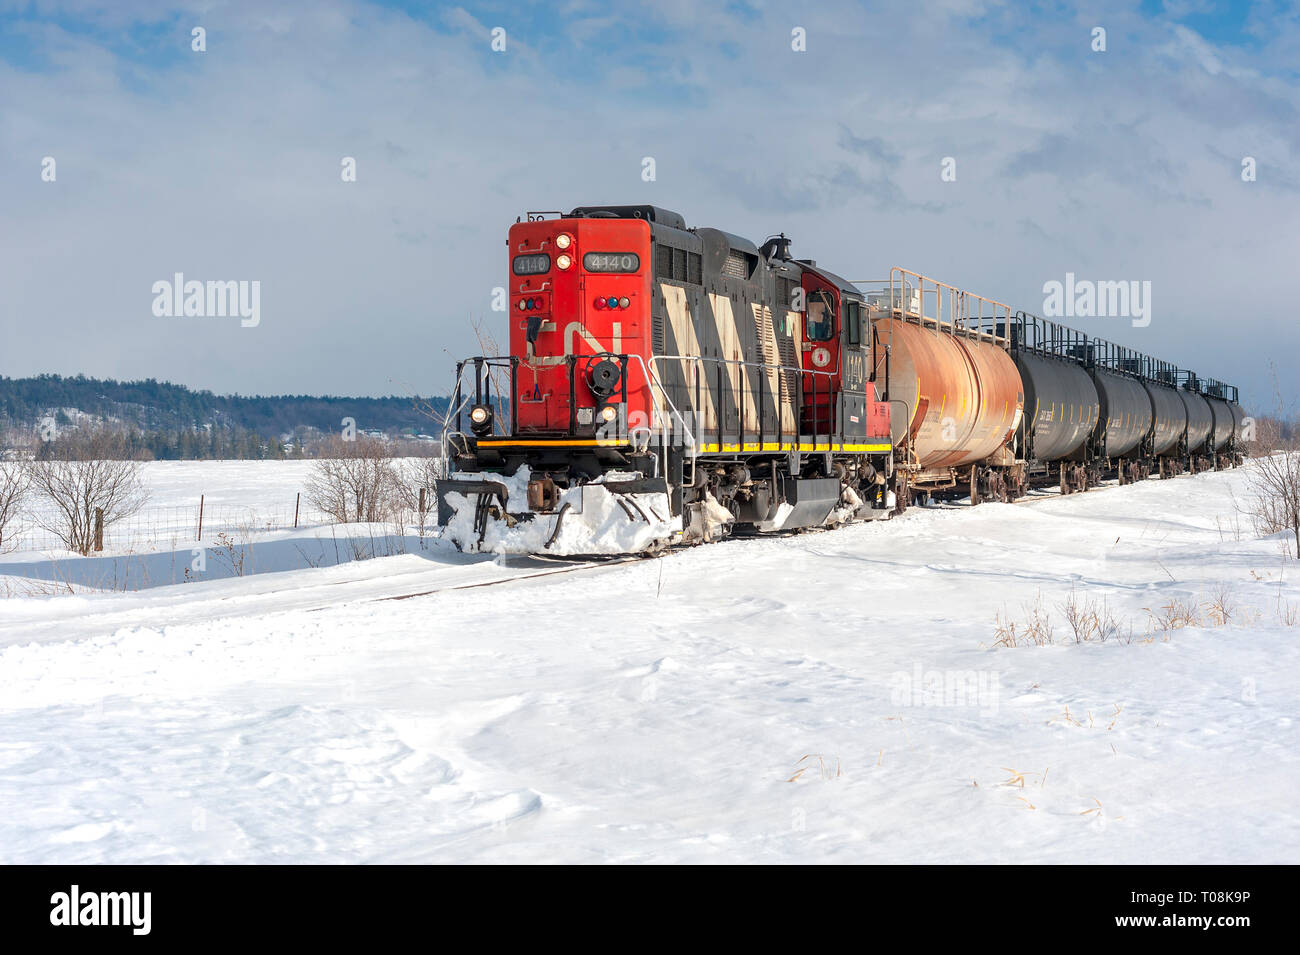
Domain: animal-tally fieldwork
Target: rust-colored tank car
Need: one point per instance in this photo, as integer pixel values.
(955, 394)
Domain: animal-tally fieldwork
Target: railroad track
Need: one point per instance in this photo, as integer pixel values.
(585, 564)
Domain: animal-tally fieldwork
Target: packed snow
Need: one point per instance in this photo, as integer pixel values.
(597, 518)
(831, 696)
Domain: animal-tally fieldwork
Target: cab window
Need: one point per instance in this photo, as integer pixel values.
(820, 323)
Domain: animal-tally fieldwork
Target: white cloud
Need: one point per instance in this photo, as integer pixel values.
(225, 165)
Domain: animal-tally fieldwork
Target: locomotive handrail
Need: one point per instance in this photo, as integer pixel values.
(650, 373)
(482, 363)
(700, 359)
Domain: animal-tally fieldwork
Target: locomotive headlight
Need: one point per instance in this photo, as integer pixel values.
(480, 419)
(563, 241)
(563, 262)
(608, 413)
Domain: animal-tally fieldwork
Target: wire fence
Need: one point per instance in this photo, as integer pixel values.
(175, 527)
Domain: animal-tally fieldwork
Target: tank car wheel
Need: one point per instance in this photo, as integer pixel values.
(902, 495)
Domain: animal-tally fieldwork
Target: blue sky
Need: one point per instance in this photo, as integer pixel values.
(1115, 165)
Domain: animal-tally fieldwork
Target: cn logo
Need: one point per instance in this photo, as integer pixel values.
(821, 357)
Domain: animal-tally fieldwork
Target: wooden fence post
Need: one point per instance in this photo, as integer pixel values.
(99, 528)
(200, 537)
(296, 501)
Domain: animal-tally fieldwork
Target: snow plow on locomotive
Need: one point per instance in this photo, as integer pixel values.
(669, 385)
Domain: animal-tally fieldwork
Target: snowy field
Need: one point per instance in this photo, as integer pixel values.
(256, 518)
(824, 697)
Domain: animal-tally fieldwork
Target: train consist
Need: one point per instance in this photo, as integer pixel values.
(670, 385)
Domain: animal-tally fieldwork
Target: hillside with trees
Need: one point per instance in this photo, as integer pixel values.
(170, 422)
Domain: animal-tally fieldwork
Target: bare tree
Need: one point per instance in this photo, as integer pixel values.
(15, 479)
(355, 481)
(80, 475)
(1275, 483)
(496, 381)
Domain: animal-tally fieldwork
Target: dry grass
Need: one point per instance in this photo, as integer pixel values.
(1036, 631)
(32, 587)
(1084, 619)
(1089, 620)
(235, 554)
(1175, 615)
(822, 766)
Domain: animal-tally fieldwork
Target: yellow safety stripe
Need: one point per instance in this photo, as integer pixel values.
(570, 443)
(701, 448)
(818, 446)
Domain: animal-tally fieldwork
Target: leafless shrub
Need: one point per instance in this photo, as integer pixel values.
(15, 479)
(1037, 630)
(355, 481)
(1174, 615)
(420, 474)
(1220, 605)
(82, 474)
(235, 553)
(1275, 492)
(1089, 620)
(1275, 471)
(1288, 613)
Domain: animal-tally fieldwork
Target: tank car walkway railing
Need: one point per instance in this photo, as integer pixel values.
(913, 297)
(1040, 336)
(1125, 361)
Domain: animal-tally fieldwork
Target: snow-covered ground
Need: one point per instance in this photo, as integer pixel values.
(824, 697)
(256, 518)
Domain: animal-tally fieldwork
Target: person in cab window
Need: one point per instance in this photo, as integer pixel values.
(821, 318)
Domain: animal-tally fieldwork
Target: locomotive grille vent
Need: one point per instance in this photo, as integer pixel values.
(785, 292)
(786, 345)
(657, 309)
(766, 335)
(737, 265)
(663, 261)
(678, 265)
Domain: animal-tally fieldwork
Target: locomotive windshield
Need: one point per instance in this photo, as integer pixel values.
(821, 317)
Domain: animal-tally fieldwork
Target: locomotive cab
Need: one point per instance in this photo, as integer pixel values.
(839, 393)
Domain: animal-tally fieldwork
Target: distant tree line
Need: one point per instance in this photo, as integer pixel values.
(165, 421)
